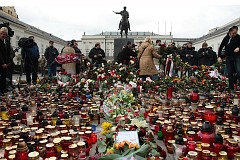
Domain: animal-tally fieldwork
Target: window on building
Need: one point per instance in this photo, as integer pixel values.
(17, 39)
(42, 48)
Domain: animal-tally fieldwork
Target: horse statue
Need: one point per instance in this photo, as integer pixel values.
(124, 24)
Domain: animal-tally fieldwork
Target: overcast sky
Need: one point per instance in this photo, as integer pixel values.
(69, 19)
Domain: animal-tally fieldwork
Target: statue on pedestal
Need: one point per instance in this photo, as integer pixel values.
(124, 24)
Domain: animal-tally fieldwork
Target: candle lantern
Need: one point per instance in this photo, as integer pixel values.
(50, 150)
(4, 113)
(218, 143)
(194, 96)
(232, 148)
(206, 134)
(22, 151)
(169, 91)
(222, 155)
(82, 150)
(178, 148)
(219, 125)
(192, 155)
(34, 156)
(29, 118)
(209, 114)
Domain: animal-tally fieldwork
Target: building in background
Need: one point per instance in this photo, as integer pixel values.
(215, 35)
(21, 29)
(106, 39)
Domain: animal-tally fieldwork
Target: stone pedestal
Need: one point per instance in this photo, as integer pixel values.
(118, 45)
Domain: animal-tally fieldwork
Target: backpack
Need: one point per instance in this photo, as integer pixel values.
(34, 52)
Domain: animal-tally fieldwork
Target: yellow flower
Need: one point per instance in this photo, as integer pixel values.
(110, 151)
(106, 127)
(116, 145)
(121, 144)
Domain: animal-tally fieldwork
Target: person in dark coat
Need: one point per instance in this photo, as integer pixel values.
(206, 56)
(213, 57)
(97, 55)
(189, 55)
(74, 45)
(30, 55)
(231, 43)
(50, 54)
(5, 60)
(127, 53)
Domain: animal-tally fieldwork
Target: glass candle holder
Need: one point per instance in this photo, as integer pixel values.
(65, 143)
(64, 156)
(209, 114)
(22, 151)
(57, 145)
(33, 156)
(237, 156)
(222, 155)
(191, 146)
(88, 138)
(232, 148)
(73, 151)
(50, 150)
(206, 155)
(169, 134)
(192, 155)
(191, 136)
(82, 150)
(205, 146)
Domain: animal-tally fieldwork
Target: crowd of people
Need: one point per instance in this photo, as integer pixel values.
(144, 53)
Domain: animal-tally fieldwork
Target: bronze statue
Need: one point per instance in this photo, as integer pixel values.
(124, 23)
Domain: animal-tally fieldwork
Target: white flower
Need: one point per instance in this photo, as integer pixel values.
(109, 61)
(116, 63)
(103, 76)
(131, 61)
(113, 129)
(88, 63)
(83, 80)
(102, 64)
(133, 84)
(131, 72)
(139, 123)
(120, 69)
(105, 81)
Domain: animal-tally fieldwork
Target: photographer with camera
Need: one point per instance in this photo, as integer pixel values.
(206, 56)
(5, 60)
(189, 54)
(30, 55)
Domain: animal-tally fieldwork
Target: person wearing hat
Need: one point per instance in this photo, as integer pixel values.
(50, 54)
(5, 61)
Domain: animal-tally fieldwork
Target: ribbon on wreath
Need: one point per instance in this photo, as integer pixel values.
(67, 58)
(169, 66)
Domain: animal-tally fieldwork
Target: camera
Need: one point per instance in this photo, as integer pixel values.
(10, 31)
